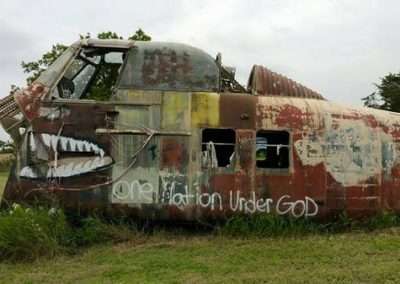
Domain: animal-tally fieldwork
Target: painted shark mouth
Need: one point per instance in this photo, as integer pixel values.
(71, 157)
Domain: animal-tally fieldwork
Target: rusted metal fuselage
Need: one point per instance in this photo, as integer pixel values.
(163, 131)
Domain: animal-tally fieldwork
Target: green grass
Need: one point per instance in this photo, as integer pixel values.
(171, 258)
(182, 257)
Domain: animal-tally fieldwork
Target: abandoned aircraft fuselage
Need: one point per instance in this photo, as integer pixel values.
(163, 131)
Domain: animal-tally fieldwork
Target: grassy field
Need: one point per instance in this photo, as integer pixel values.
(171, 257)
(343, 258)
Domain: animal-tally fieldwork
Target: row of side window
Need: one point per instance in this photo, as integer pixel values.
(272, 148)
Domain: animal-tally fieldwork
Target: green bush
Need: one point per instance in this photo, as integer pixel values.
(380, 221)
(265, 225)
(27, 233)
(93, 230)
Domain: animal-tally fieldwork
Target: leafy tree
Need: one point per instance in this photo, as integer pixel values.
(109, 35)
(14, 88)
(35, 68)
(101, 87)
(7, 146)
(140, 35)
(387, 95)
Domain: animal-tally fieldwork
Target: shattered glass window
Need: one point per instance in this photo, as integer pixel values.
(104, 81)
(272, 149)
(74, 68)
(92, 75)
(218, 147)
(114, 58)
(82, 80)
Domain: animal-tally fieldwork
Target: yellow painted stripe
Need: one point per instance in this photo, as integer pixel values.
(205, 109)
(176, 111)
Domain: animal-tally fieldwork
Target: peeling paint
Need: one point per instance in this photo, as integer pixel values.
(352, 152)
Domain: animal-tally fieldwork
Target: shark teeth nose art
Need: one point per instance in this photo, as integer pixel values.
(93, 157)
(72, 168)
(68, 144)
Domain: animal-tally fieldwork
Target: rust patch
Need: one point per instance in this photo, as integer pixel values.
(164, 66)
(223, 184)
(29, 99)
(238, 111)
(263, 81)
(246, 152)
(173, 153)
(293, 117)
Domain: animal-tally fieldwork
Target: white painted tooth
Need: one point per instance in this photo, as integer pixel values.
(46, 139)
(79, 145)
(27, 172)
(64, 171)
(54, 142)
(95, 148)
(74, 171)
(78, 168)
(90, 147)
(96, 162)
(72, 144)
(87, 165)
(107, 161)
(32, 143)
(82, 166)
(86, 146)
(60, 171)
(50, 172)
(92, 164)
(64, 143)
(69, 169)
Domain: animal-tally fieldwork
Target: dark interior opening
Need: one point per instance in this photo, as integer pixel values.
(272, 149)
(223, 140)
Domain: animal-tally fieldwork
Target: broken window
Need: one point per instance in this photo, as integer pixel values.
(272, 149)
(218, 147)
(92, 75)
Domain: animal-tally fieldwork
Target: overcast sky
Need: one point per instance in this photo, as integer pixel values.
(338, 48)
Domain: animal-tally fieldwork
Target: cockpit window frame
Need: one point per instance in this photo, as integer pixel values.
(73, 52)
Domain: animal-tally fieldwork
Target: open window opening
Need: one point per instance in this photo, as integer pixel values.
(92, 75)
(218, 147)
(272, 149)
